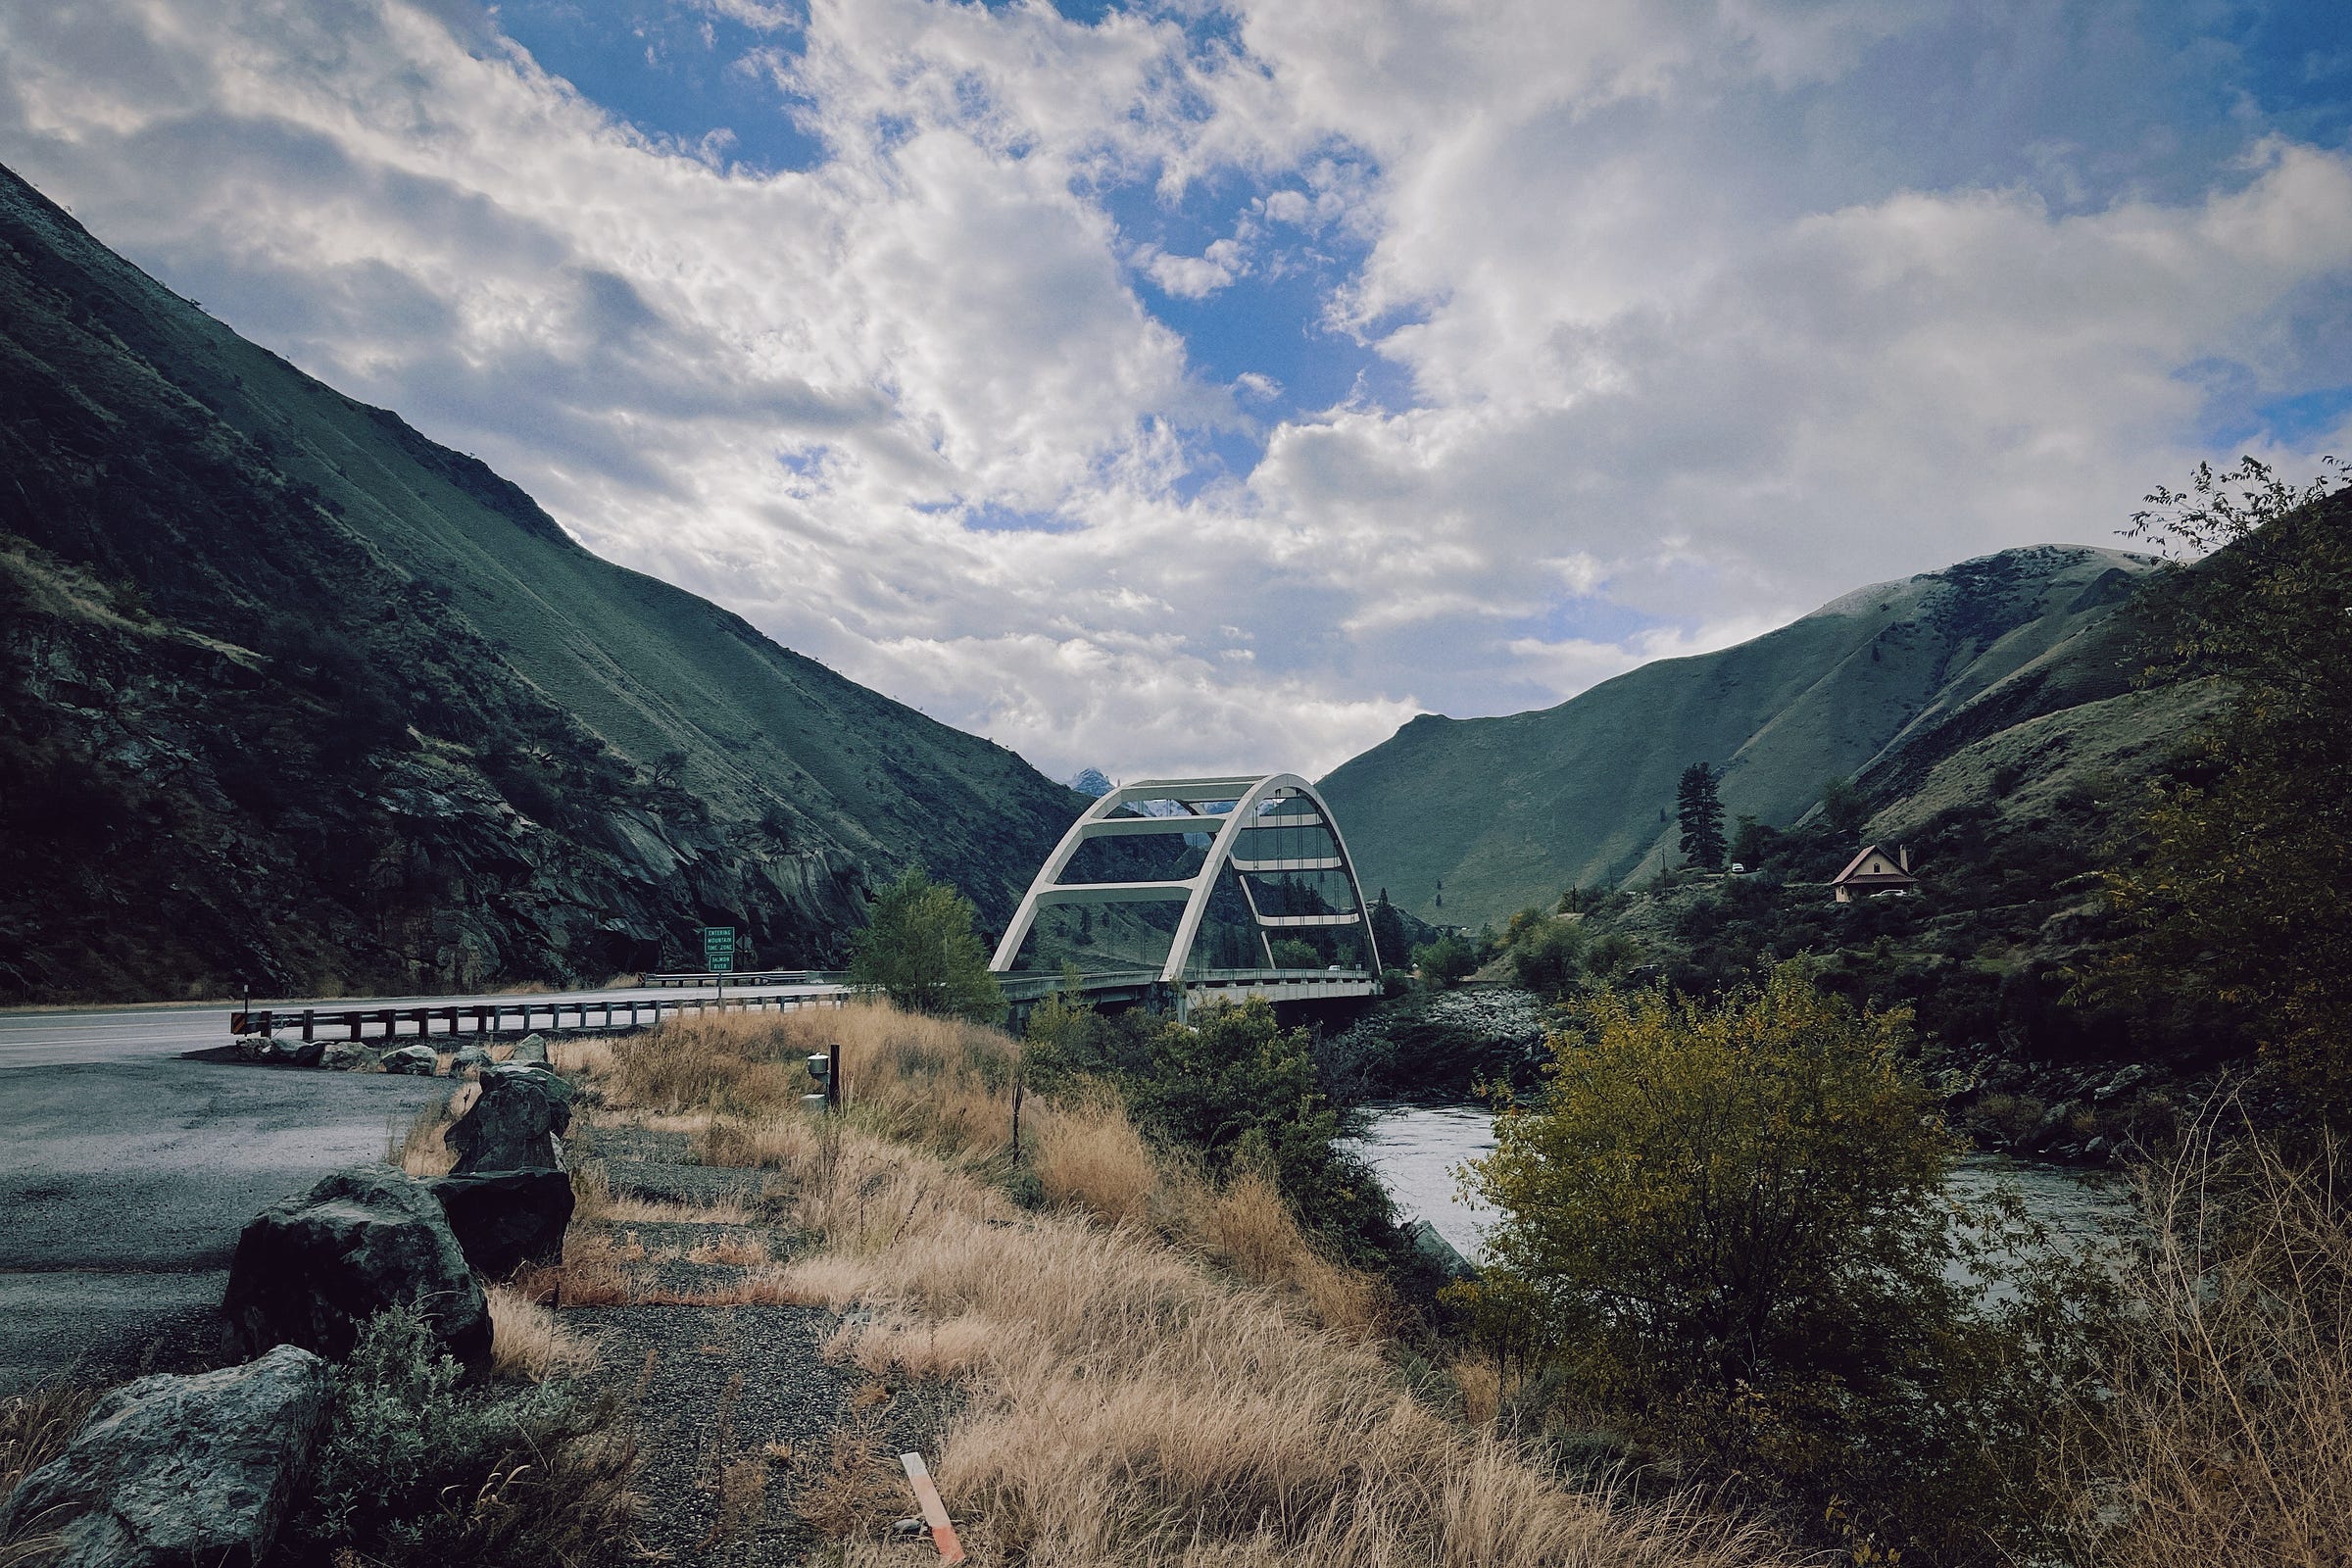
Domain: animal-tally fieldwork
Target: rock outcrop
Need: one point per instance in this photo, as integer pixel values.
(505, 1220)
(180, 1472)
(311, 1270)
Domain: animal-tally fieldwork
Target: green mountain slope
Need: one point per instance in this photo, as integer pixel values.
(294, 694)
(1879, 686)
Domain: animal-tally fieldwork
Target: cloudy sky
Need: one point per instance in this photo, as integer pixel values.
(1213, 384)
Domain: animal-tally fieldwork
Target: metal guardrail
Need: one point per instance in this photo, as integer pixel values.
(746, 977)
(485, 1020)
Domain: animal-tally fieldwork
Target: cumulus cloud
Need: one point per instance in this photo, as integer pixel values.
(1638, 329)
(1194, 277)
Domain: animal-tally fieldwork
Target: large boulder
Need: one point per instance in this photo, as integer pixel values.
(193, 1472)
(311, 1270)
(469, 1058)
(420, 1061)
(505, 1220)
(350, 1056)
(518, 1123)
(288, 1052)
(529, 1050)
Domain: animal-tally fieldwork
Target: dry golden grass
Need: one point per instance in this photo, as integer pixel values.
(738, 1064)
(1088, 1155)
(769, 1143)
(1246, 1227)
(577, 1054)
(2227, 1428)
(723, 1208)
(858, 1488)
(1127, 1406)
(527, 1345)
(736, 1252)
(419, 1148)
(1123, 1401)
(946, 1088)
(34, 1428)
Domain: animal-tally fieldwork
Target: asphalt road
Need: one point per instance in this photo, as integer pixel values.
(126, 1172)
(48, 1036)
(124, 1184)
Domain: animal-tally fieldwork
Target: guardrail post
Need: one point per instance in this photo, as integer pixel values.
(309, 1022)
(353, 1019)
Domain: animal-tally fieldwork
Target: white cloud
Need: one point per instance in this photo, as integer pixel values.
(1194, 277)
(1647, 346)
(753, 13)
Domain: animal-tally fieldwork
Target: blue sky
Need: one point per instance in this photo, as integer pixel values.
(1216, 383)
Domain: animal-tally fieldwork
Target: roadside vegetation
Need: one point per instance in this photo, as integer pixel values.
(1160, 1349)
(1732, 1317)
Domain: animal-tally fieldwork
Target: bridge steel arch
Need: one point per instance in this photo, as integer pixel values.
(1247, 795)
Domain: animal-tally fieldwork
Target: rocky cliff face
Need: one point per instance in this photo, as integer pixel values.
(291, 696)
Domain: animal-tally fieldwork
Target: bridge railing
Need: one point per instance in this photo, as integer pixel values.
(484, 1020)
(1267, 977)
(1030, 986)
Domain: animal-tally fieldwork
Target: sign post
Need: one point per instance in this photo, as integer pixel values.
(719, 954)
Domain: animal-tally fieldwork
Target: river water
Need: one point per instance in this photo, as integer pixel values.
(1417, 1149)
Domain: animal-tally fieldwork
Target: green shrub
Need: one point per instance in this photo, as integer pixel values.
(415, 1469)
(1726, 1228)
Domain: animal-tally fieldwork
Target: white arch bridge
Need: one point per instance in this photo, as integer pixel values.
(1272, 880)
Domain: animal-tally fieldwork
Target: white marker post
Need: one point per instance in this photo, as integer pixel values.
(935, 1512)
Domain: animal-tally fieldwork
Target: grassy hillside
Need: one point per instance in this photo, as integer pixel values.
(296, 696)
(1876, 686)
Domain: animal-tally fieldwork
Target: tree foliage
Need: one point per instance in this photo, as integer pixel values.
(1843, 808)
(2234, 887)
(920, 950)
(1546, 951)
(1446, 961)
(1698, 808)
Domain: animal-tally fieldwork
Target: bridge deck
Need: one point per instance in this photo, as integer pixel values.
(1203, 986)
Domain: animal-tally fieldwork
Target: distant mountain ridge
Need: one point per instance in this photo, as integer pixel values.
(295, 695)
(1882, 686)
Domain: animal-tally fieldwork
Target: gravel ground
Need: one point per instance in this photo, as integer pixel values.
(642, 1164)
(740, 1392)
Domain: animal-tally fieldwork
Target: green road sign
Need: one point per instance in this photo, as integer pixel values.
(718, 948)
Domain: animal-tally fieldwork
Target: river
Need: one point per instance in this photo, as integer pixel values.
(1416, 1150)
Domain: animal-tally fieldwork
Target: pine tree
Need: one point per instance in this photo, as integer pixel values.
(1698, 806)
